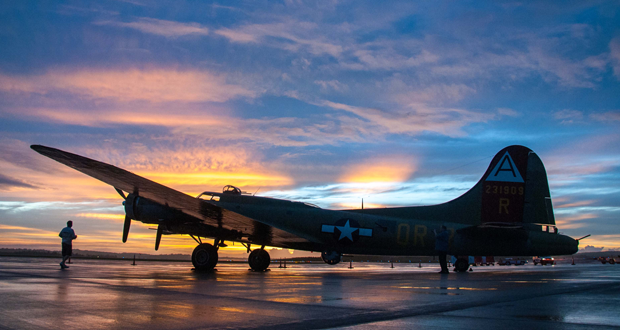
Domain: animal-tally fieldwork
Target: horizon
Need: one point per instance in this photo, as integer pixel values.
(327, 103)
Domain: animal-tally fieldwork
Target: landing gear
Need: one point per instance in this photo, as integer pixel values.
(461, 265)
(259, 260)
(331, 257)
(204, 257)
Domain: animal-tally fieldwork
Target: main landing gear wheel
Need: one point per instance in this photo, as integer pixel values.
(204, 257)
(259, 260)
(461, 265)
(331, 257)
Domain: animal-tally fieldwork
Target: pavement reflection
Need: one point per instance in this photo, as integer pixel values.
(95, 294)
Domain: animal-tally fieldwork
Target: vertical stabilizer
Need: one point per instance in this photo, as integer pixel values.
(515, 189)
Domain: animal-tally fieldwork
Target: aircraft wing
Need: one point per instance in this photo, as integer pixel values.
(209, 213)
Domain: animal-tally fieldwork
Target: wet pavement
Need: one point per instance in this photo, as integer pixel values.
(95, 294)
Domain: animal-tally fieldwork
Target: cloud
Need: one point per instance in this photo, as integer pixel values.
(611, 242)
(195, 167)
(17, 154)
(614, 54)
(435, 94)
(289, 34)
(237, 36)
(384, 58)
(7, 183)
(559, 204)
(607, 116)
(508, 112)
(110, 216)
(169, 29)
(568, 116)
(415, 119)
(332, 85)
(574, 221)
(154, 85)
(134, 116)
(590, 248)
(385, 168)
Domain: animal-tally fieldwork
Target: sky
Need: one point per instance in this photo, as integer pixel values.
(327, 102)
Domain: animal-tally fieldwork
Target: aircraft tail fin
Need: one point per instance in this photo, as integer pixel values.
(514, 189)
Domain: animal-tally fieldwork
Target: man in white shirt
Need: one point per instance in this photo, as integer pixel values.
(67, 234)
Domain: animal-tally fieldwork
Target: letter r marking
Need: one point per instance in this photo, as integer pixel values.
(503, 204)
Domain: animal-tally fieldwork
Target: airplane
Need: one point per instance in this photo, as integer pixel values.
(507, 213)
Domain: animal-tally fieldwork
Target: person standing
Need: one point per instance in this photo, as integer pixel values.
(67, 234)
(442, 239)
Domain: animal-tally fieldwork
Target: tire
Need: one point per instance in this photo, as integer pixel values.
(259, 260)
(204, 257)
(461, 265)
(331, 257)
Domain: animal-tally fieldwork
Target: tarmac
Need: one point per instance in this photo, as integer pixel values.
(104, 294)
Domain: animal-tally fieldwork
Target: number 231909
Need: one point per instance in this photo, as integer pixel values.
(503, 190)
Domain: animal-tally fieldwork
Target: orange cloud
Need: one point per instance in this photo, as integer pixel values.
(110, 216)
(218, 178)
(558, 205)
(155, 85)
(573, 222)
(610, 242)
(192, 170)
(388, 169)
(134, 117)
(357, 205)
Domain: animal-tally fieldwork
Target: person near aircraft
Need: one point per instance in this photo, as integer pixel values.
(68, 235)
(441, 247)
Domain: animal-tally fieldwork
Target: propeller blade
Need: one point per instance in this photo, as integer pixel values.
(120, 192)
(158, 237)
(126, 228)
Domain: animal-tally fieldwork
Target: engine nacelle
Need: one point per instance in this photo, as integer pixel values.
(147, 211)
(331, 257)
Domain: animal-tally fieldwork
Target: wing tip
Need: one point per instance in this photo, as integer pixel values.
(41, 148)
(37, 147)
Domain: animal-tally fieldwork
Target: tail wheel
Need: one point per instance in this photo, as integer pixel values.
(461, 265)
(259, 260)
(204, 257)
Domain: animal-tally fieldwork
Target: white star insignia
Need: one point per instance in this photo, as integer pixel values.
(346, 231)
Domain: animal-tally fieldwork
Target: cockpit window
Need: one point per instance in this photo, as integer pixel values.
(208, 196)
(232, 190)
(312, 205)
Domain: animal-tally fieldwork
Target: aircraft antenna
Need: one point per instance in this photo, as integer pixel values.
(256, 191)
(362, 203)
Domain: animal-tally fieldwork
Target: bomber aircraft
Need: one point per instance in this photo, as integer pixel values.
(507, 213)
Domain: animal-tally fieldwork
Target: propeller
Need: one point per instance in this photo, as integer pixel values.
(126, 228)
(158, 237)
(120, 192)
(127, 223)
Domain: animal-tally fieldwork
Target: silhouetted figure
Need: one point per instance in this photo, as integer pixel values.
(67, 234)
(441, 247)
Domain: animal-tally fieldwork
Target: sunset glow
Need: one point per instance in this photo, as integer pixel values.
(327, 103)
